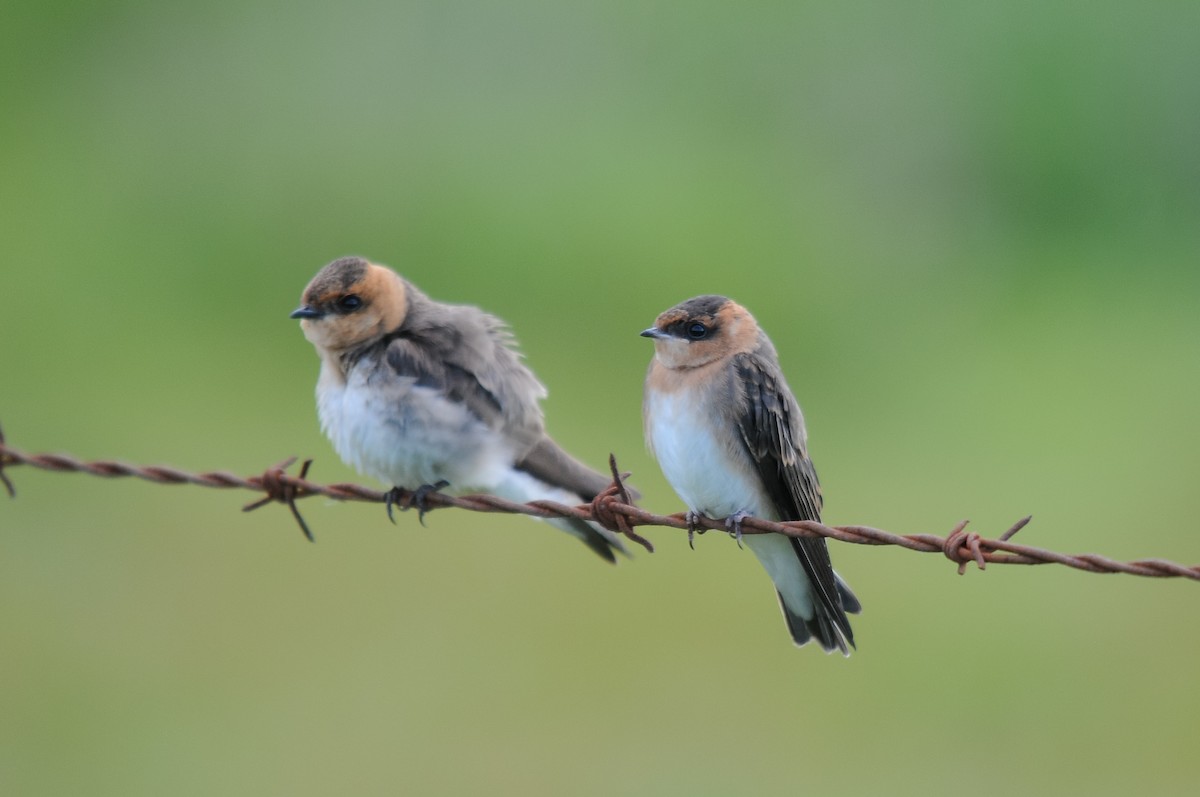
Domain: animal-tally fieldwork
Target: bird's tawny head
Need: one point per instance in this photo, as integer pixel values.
(702, 330)
(350, 302)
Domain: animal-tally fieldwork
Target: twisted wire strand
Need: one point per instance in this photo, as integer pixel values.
(612, 508)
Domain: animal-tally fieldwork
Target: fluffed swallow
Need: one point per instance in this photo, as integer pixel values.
(729, 436)
(424, 395)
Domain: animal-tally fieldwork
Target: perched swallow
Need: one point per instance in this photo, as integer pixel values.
(728, 435)
(424, 395)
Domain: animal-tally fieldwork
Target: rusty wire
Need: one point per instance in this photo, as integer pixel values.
(612, 508)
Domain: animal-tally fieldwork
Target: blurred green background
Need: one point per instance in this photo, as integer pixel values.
(971, 229)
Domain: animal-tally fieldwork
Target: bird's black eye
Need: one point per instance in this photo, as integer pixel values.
(697, 331)
(349, 303)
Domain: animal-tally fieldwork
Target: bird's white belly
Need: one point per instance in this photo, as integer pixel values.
(707, 469)
(717, 479)
(408, 436)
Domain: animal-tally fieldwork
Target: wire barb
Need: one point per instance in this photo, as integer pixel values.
(274, 483)
(5, 460)
(613, 508)
(1020, 524)
(962, 546)
(616, 494)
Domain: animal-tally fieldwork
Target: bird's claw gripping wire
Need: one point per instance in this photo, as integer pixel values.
(419, 498)
(733, 524)
(693, 527)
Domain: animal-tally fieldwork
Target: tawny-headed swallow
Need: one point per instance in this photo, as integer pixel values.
(729, 436)
(424, 395)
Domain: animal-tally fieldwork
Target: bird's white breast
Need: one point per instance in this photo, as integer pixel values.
(406, 435)
(701, 460)
(714, 476)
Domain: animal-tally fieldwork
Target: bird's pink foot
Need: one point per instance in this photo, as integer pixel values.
(693, 523)
(734, 524)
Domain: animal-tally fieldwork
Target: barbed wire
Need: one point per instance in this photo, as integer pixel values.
(613, 508)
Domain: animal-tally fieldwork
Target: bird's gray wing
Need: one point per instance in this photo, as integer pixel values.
(472, 356)
(407, 358)
(772, 431)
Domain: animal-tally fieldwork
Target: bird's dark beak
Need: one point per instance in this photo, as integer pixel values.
(305, 311)
(654, 332)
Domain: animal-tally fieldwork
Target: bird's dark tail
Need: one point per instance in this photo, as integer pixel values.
(807, 585)
(522, 486)
(601, 541)
(832, 633)
(561, 477)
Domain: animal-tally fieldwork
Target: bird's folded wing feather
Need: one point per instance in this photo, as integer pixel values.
(772, 431)
(471, 360)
